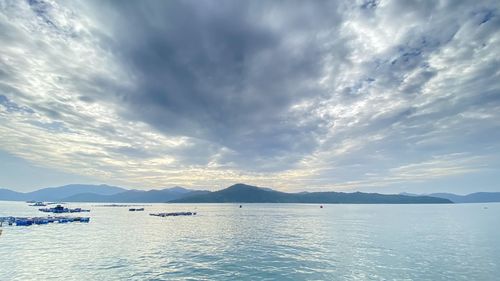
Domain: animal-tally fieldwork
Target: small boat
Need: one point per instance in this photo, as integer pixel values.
(136, 209)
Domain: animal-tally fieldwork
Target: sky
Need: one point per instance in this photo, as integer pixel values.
(384, 96)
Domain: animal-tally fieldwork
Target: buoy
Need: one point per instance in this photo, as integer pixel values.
(241, 206)
(321, 206)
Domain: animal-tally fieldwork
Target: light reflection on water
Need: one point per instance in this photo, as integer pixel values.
(258, 242)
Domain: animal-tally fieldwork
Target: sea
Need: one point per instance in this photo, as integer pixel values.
(257, 242)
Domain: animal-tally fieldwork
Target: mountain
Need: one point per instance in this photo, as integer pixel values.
(242, 193)
(235, 193)
(62, 192)
(99, 193)
(478, 197)
(408, 194)
(59, 193)
(137, 196)
(9, 195)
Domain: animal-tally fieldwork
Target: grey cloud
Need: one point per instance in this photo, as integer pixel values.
(327, 89)
(86, 99)
(219, 74)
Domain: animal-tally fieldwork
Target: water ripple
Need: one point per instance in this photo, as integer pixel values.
(259, 242)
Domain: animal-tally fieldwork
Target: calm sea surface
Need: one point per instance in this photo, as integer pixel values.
(258, 242)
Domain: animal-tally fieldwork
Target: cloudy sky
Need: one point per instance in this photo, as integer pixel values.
(385, 96)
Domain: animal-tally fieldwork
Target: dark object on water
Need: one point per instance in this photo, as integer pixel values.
(241, 206)
(321, 206)
(174, 214)
(60, 209)
(136, 209)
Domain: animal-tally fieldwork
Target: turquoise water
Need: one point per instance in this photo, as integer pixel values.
(258, 242)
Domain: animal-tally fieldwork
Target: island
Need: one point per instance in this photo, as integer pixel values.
(242, 193)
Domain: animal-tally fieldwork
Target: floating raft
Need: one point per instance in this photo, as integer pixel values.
(60, 209)
(173, 214)
(38, 204)
(27, 221)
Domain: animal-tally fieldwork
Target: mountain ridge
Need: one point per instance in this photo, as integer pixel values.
(60, 192)
(136, 196)
(242, 193)
(247, 193)
(476, 197)
(97, 193)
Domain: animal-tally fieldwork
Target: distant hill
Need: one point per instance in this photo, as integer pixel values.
(235, 193)
(242, 193)
(478, 197)
(99, 193)
(137, 196)
(59, 193)
(9, 195)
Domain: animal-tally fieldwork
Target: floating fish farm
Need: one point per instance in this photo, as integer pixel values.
(173, 214)
(27, 221)
(60, 209)
(38, 204)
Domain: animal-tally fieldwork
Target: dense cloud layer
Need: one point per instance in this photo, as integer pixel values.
(295, 94)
